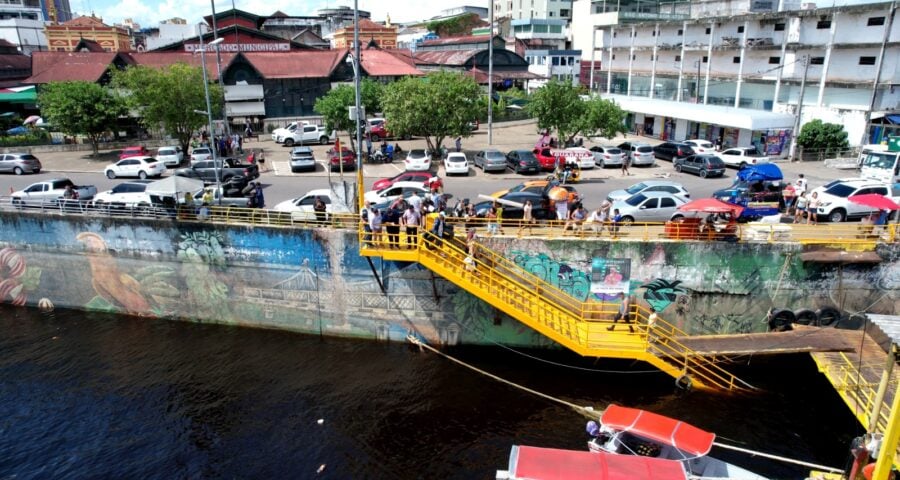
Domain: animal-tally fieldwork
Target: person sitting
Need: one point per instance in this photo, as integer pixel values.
(390, 152)
(397, 150)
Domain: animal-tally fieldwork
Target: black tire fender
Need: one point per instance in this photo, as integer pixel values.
(805, 316)
(684, 382)
(781, 320)
(828, 316)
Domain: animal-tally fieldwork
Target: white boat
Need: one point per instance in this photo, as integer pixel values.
(630, 431)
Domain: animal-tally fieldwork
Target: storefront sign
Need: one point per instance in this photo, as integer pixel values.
(243, 47)
(777, 141)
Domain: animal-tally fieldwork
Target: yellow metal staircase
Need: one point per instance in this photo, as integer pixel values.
(578, 326)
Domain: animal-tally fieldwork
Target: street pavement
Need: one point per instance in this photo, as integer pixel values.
(280, 184)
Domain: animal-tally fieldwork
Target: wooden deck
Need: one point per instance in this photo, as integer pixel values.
(800, 340)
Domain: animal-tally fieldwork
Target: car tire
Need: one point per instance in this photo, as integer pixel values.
(323, 140)
(676, 217)
(601, 164)
(288, 142)
(110, 174)
(18, 171)
(142, 175)
(678, 168)
(627, 220)
(742, 165)
(703, 173)
(837, 215)
(376, 138)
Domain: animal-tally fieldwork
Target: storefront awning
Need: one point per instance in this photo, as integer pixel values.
(243, 109)
(236, 93)
(18, 95)
(714, 114)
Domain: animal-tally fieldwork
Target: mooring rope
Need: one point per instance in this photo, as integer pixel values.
(778, 457)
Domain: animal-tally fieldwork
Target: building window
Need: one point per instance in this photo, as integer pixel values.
(614, 57)
(615, 33)
(774, 60)
(708, 30)
(634, 57)
(875, 21)
(556, 61)
(550, 14)
(564, 13)
(680, 31)
(823, 24)
(705, 59)
(741, 29)
(653, 34)
(677, 58)
(555, 28)
(867, 60)
(779, 27)
(817, 61)
(736, 60)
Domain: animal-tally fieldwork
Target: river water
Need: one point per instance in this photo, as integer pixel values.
(99, 396)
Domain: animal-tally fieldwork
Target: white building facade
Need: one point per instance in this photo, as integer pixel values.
(524, 9)
(561, 65)
(844, 59)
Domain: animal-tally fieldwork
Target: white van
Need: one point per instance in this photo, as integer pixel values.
(865, 150)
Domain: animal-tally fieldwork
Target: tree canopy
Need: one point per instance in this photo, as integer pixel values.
(169, 98)
(559, 106)
(80, 108)
(438, 106)
(821, 137)
(335, 105)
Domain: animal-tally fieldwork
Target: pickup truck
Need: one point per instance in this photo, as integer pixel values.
(303, 134)
(741, 157)
(229, 167)
(230, 199)
(50, 192)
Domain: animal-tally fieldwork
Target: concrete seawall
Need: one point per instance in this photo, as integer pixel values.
(313, 280)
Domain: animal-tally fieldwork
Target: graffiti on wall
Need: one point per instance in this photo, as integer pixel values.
(661, 293)
(564, 275)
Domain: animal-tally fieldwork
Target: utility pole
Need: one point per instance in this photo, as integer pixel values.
(356, 74)
(212, 4)
(887, 33)
(796, 132)
(697, 95)
(491, 77)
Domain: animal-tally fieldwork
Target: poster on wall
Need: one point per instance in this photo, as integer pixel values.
(610, 276)
(777, 141)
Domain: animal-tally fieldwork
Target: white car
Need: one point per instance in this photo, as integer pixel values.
(170, 156)
(606, 155)
(126, 194)
(456, 162)
(141, 167)
(834, 203)
(649, 207)
(418, 160)
(582, 156)
(302, 208)
(396, 190)
(649, 186)
(200, 154)
(701, 146)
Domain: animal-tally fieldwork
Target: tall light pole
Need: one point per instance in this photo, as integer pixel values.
(356, 72)
(209, 111)
(491, 77)
(216, 38)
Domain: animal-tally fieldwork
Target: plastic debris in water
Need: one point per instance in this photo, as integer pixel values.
(321, 468)
(320, 421)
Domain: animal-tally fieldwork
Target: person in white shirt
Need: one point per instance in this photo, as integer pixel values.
(599, 218)
(800, 185)
(415, 200)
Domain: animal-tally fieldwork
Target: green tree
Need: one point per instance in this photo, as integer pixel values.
(335, 105)
(824, 138)
(437, 106)
(559, 106)
(169, 98)
(80, 108)
(602, 118)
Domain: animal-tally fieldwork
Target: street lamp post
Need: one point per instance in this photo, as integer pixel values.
(209, 112)
(356, 72)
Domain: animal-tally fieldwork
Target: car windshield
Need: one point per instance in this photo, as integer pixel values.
(526, 155)
(841, 190)
(28, 156)
(150, 160)
(636, 200)
(613, 151)
(636, 188)
(166, 151)
(494, 155)
(517, 188)
(645, 149)
(880, 160)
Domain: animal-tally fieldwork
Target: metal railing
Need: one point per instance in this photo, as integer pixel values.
(846, 379)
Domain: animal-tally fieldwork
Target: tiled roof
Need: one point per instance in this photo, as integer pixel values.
(15, 62)
(49, 67)
(85, 21)
(444, 57)
(7, 44)
(378, 63)
(457, 40)
(481, 76)
(306, 64)
(164, 59)
(366, 24)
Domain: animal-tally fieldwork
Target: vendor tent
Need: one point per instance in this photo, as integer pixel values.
(174, 186)
(765, 172)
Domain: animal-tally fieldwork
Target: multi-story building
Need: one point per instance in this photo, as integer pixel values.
(754, 63)
(562, 65)
(170, 31)
(64, 37)
(524, 9)
(55, 10)
(385, 36)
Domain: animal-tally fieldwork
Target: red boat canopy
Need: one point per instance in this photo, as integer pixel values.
(660, 429)
(534, 463)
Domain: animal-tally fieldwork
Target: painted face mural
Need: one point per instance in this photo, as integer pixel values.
(661, 293)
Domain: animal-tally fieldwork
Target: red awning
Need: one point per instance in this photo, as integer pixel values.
(660, 429)
(711, 205)
(535, 463)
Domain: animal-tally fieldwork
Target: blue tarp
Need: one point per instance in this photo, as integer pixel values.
(763, 172)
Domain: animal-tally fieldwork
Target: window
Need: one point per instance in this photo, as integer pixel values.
(555, 28)
(817, 61)
(614, 56)
(736, 60)
(551, 13)
(875, 21)
(867, 60)
(615, 33)
(677, 58)
(774, 60)
(823, 24)
(654, 34)
(779, 27)
(705, 59)
(666, 202)
(634, 57)
(708, 30)
(564, 13)
(680, 31)
(556, 61)
(740, 29)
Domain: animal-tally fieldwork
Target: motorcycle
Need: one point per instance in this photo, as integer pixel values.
(570, 173)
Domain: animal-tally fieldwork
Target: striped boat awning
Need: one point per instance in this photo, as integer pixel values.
(18, 94)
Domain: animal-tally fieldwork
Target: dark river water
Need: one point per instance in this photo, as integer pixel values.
(98, 396)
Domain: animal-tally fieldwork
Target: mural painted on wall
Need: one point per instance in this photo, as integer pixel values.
(568, 276)
(661, 293)
(17, 279)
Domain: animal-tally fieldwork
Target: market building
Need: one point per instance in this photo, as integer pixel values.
(64, 37)
(384, 36)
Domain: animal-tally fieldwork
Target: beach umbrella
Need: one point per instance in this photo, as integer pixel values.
(711, 205)
(558, 194)
(33, 119)
(874, 200)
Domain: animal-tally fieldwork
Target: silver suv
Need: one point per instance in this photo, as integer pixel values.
(639, 153)
(19, 163)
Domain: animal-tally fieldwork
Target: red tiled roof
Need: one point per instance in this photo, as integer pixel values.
(444, 57)
(14, 62)
(366, 24)
(378, 63)
(481, 76)
(164, 59)
(402, 54)
(85, 21)
(7, 44)
(457, 40)
(299, 64)
(49, 67)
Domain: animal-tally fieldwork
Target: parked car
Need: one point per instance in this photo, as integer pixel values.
(672, 150)
(606, 155)
(301, 208)
(222, 168)
(639, 153)
(19, 163)
(346, 158)
(522, 161)
(834, 203)
(580, 156)
(170, 156)
(541, 208)
(124, 195)
(141, 167)
(649, 186)
(282, 132)
(456, 162)
(705, 165)
(396, 190)
(490, 160)
(302, 159)
(537, 187)
(305, 134)
(418, 160)
(51, 191)
(140, 151)
(545, 158)
(199, 154)
(649, 207)
(421, 177)
(741, 157)
(701, 146)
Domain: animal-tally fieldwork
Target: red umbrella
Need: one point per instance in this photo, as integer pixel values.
(711, 205)
(874, 200)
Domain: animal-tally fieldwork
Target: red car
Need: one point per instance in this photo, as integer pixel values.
(545, 158)
(402, 177)
(377, 132)
(134, 152)
(347, 157)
